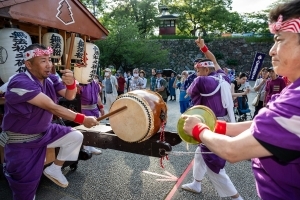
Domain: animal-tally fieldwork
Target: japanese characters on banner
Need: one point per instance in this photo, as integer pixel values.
(78, 49)
(257, 63)
(54, 40)
(13, 41)
(85, 74)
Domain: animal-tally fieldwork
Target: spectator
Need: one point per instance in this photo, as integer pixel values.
(121, 82)
(143, 76)
(260, 88)
(274, 85)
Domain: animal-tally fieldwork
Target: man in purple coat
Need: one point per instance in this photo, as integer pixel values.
(273, 137)
(91, 105)
(212, 89)
(31, 101)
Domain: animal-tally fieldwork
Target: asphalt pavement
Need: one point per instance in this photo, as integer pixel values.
(125, 176)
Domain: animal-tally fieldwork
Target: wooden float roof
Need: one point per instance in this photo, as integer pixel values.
(67, 15)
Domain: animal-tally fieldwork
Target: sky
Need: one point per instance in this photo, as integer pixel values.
(243, 6)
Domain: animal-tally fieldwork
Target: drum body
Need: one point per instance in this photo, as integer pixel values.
(143, 117)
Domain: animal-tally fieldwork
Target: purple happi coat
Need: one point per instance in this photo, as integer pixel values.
(89, 95)
(206, 85)
(278, 124)
(24, 162)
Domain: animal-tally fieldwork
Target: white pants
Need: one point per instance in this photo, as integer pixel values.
(69, 144)
(221, 181)
(110, 98)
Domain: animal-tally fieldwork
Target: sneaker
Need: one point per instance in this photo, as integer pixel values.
(56, 176)
(92, 150)
(188, 187)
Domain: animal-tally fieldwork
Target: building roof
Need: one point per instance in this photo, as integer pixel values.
(68, 15)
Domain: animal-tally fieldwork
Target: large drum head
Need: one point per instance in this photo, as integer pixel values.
(134, 123)
(204, 113)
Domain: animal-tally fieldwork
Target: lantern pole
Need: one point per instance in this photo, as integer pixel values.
(68, 64)
(40, 34)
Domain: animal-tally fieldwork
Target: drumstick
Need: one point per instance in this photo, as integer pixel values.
(68, 64)
(111, 113)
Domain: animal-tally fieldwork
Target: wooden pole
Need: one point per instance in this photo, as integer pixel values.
(111, 113)
(68, 64)
(84, 53)
(65, 49)
(40, 34)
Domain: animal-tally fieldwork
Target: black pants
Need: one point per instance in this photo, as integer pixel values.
(171, 97)
(258, 107)
(120, 92)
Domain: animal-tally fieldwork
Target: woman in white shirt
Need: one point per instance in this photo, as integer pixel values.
(142, 75)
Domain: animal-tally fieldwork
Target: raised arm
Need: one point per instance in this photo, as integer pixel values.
(208, 54)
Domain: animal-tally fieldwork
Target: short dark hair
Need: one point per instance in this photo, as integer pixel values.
(35, 46)
(242, 75)
(264, 69)
(288, 10)
(198, 60)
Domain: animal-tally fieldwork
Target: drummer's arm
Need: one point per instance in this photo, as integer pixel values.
(208, 54)
(100, 105)
(234, 129)
(234, 149)
(44, 102)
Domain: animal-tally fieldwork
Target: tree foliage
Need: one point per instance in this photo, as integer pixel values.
(140, 12)
(203, 15)
(124, 47)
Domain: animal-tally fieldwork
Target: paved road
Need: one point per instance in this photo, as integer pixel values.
(119, 175)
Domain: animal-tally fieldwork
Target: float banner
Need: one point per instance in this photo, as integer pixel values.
(257, 63)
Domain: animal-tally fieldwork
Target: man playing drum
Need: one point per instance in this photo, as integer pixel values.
(272, 139)
(27, 129)
(212, 89)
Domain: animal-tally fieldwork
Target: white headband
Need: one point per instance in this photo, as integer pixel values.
(37, 52)
(205, 64)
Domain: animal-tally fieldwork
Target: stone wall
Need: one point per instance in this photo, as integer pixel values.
(232, 53)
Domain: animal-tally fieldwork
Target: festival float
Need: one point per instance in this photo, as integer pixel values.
(70, 29)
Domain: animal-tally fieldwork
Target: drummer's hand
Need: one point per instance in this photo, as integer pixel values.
(67, 76)
(200, 42)
(90, 121)
(189, 123)
(101, 111)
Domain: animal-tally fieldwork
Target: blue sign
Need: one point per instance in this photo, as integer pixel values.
(257, 63)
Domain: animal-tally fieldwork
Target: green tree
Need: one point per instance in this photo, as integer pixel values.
(96, 7)
(124, 47)
(141, 12)
(205, 15)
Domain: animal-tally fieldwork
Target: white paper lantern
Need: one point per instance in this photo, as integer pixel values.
(54, 40)
(78, 48)
(13, 41)
(85, 75)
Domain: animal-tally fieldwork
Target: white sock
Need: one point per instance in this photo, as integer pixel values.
(195, 185)
(238, 198)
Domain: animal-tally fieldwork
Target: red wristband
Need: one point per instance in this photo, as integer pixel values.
(204, 49)
(71, 87)
(197, 131)
(220, 127)
(79, 118)
(100, 106)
